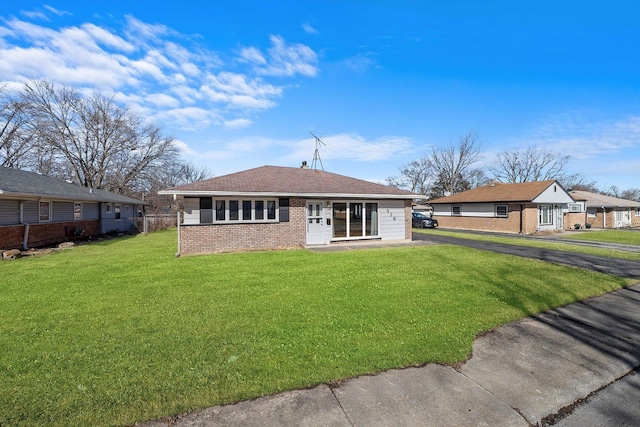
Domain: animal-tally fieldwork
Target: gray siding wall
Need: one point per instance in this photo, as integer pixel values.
(90, 211)
(30, 212)
(62, 211)
(9, 212)
(109, 223)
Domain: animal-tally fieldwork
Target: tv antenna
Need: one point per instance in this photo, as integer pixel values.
(316, 154)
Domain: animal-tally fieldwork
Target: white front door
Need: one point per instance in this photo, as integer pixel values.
(315, 223)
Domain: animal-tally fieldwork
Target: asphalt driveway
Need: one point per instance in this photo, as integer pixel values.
(614, 266)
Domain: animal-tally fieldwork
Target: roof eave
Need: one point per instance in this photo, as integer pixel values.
(289, 194)
(43, 196)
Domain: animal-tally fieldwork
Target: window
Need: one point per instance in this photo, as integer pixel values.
(371, 219)
(352, 220)
(45, 211)
(456, 210)
(355, 219)
(225, 210)
(574, 207)
(271, 209)
(637, 211)
(502, 211)
(246, 210)
(233, 210)
(116, 210)
(545, 214)
(284, 210)
(206, 210)
(340, 220)
(108, 208)
(77, 210)
(220, 210)
(259, 210)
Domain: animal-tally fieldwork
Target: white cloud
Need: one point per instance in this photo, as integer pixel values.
(56, 11)
(164, 74)
(361, 63)
(252, 55)
(309, 29)
(163, 100)
(348, 146)
(237, 123)
(190, 118)
(283, 59)
(582, 136)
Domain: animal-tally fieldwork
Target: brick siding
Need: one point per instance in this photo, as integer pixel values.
(510, 224)
(44, 234)
(408, 219)
(216, 238)
(573, 218)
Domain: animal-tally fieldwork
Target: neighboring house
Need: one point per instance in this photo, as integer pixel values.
(274, 207)
(604, 211)
(524, 208)
(37, 210)
(425, 209)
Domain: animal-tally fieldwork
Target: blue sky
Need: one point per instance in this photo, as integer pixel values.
(240, 84)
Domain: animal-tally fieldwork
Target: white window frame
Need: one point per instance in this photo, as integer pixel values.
(575, 207)
(545, 211)
(265, 210)
(502, 215)
(48, 215)
(363, 214)
(77, 215)
(637, 211)
(453, 210)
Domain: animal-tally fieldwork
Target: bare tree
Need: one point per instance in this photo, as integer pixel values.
(450, 166)
(15, 133)
(530, 164)
(578, 182)
(631, 194)
(92, 140)
(414, 176)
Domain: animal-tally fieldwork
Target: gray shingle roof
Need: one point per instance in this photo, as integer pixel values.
(498, 192)
(600, 200)
(287, 181)
(16, 183)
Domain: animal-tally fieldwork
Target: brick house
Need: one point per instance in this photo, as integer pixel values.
(524, 208)
(273, 207)
(37, 210)
(603, 211)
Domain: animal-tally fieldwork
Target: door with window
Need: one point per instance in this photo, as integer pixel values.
(315, 223)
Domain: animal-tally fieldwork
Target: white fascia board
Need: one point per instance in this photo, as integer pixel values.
(276, 194)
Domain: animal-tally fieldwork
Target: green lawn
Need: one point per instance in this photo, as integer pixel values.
(546, 244)
(625, 237)
(122, 331)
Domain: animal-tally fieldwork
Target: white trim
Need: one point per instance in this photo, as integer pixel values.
(74, 211)
(48, 202)
(504, 205)
(271, 194)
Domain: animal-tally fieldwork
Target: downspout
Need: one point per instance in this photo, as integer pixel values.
(521, 221)
(604, 217)
(25, 239)
(178, 221)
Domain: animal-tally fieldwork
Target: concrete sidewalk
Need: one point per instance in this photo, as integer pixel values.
(523, 373)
